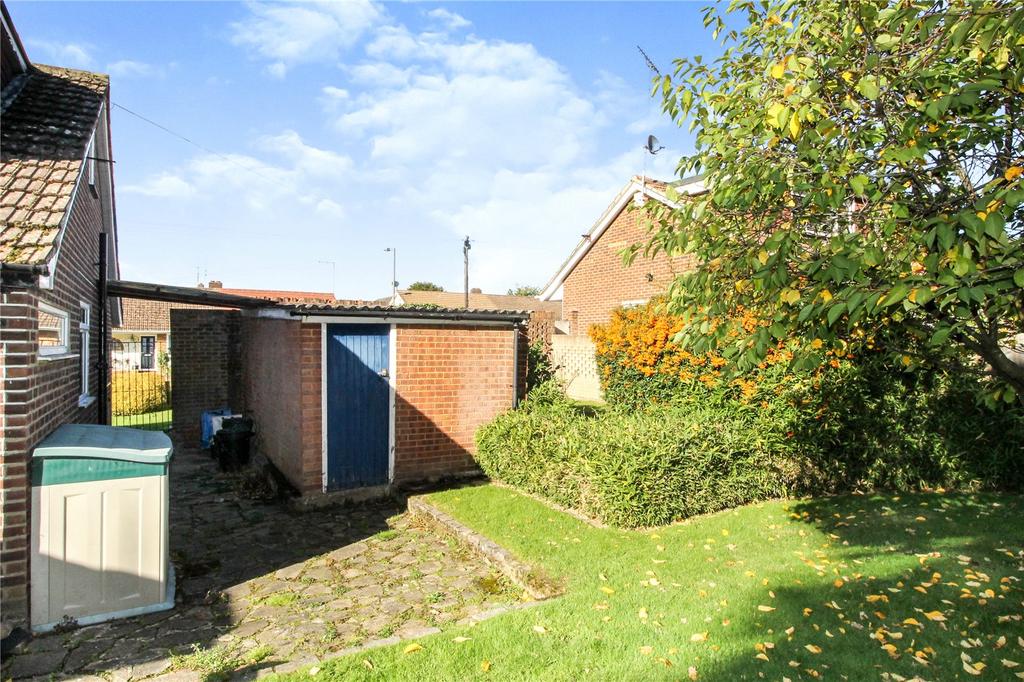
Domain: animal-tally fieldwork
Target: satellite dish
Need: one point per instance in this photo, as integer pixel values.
(653, 146)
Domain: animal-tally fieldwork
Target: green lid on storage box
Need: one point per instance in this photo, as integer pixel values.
(75, 453)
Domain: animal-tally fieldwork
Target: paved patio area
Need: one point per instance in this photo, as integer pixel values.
(267, 587)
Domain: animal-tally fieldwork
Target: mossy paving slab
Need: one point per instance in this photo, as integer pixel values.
(288, 587)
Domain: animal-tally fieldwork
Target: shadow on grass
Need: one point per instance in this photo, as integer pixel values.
(906, 585)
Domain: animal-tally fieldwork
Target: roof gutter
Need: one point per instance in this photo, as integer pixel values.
(22, 275)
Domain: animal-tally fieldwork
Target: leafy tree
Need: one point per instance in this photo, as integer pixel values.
(425, 286)
(524, 290)
(864, 170)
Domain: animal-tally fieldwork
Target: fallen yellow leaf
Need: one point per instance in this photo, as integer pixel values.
(691, 672)
(607, 590)
(412, 647)
(485, 665)
(762, 607)
(647, 650)
(912, 621)
(935, 615)
(699, 637)
(539, 629)
(814, 649)
(460, 639)
(368, 664)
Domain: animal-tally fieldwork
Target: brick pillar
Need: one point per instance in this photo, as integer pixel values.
(205, 366)
(18, 323)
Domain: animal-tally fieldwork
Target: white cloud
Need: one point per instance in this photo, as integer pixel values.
(449, 20)
(290, 34)
(74, 55)
(335, 92)
(128, 68)
(165, 185)
(379, 74)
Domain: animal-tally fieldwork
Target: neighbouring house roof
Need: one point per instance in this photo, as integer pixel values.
(480, 301)
(150, 316)
(147, 307)
(385, 313)
(654, 189)
(49, 115)
(282, 296)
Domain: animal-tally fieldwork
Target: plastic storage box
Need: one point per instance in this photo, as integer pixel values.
(99, 525)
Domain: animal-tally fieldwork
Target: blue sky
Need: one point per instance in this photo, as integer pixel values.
(331, 131)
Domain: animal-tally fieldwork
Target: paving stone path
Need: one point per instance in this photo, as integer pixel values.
(267, 587)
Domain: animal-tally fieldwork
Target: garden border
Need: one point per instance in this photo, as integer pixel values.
(538, 586)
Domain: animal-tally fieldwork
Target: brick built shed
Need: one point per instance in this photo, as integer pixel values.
(352, 397)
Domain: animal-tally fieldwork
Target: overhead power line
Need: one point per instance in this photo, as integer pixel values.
(194, 143)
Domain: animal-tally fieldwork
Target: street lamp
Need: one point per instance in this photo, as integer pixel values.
(394, 275)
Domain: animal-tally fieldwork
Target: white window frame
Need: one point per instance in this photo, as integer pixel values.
(85, 337)
(90, 160)
(48, 352)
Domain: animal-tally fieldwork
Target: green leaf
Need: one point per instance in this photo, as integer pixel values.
(896, 294)
(859, 182)
(835, 312)
(1018, 278)
(940, 336)
(868, 87)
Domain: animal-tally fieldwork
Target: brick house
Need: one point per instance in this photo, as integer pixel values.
(351, 397)
(593, 281)
(56, 224)
(144, 332)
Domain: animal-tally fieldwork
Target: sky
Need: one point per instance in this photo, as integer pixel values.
(323, 133)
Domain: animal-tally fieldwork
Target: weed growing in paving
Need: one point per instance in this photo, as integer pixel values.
(218, 663)
(279, 599)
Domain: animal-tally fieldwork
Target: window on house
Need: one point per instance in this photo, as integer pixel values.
(53, 331)
(83, 356)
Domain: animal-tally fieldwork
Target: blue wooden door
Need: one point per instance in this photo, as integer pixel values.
(358, 414)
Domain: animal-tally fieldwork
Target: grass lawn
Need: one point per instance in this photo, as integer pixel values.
(156, 421)
(848, 588)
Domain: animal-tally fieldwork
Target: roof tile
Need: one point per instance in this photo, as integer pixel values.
(46, 129)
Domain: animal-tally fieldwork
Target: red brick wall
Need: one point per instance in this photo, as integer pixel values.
(41, 394)
(449, 381)
(280, 389)
(205, 367)
(600, 283)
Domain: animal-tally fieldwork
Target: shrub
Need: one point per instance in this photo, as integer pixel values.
(137, 392)
(636, 468)
(539, 367)
(680, 437)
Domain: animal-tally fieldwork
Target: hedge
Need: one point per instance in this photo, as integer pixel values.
(664, 463)
(637, 468)
(138, 392)
(680, 436)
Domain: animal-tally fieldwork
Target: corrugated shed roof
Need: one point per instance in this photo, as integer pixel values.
(47, 125)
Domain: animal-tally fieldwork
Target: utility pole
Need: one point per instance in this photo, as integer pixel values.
(333, 274)
(465, 258)
(394, 272)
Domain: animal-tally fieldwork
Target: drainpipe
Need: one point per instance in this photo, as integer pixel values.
(101, 364)
(515, 365)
